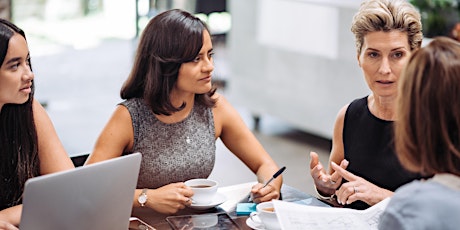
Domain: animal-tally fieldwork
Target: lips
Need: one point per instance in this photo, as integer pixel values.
(208, 78)
(385, 82)
(27, 88)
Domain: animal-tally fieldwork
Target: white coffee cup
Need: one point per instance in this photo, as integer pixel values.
(204, 190)
(266, 216)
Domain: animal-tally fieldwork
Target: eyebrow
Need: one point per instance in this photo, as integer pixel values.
(16, 59)
(209, 51)
(397, 48)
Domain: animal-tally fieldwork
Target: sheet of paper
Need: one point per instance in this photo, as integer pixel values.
(294, 216)
(235, 194)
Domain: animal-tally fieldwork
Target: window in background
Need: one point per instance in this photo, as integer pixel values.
(81, 53)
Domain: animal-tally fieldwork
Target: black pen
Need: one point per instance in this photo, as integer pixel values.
(273, 177)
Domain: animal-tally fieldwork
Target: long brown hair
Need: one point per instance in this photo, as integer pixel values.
(427, 131)
(18, 136)
(169, 39)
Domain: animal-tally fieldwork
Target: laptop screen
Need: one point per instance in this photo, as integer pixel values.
(96, 196)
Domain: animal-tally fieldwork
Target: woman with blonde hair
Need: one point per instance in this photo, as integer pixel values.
(386, 33)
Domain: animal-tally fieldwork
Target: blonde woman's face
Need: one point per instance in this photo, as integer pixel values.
(15, 74)
(382, 58)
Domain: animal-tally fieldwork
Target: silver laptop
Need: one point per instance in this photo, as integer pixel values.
(96, 196)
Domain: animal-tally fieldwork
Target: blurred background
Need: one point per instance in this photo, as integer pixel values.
(288, 66)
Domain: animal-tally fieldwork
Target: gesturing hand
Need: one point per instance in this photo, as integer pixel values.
(7, 226)
(358, 188)
(170, 198)
(325, 183)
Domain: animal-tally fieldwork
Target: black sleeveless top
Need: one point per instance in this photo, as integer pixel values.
(368, 145)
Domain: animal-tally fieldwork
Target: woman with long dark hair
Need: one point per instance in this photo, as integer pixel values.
(29, 145)
(173, 116)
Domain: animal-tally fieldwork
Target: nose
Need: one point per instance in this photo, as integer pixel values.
(28, 74)
(208, 65)
(385, 67)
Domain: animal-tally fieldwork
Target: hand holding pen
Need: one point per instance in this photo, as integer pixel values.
(281, 170)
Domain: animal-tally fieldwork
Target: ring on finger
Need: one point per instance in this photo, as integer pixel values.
(355, 190)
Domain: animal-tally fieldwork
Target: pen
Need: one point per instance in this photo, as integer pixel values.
(281, 170)
(275, 176)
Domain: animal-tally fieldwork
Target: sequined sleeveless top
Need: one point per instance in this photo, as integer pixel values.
(172, 152)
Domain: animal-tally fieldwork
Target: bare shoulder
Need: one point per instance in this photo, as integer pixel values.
(53, 156)
(116, 137)
(337, 150)
(119, 124)
(121, 113)
(220, 100)
(38, 109)
(225, 115)
(41, 118)
(338, 126)
(342, 112)
(223, 108)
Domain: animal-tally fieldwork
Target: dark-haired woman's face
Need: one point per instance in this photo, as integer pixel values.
(195, 76)
(15, 73)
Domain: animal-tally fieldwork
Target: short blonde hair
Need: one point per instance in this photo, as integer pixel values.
(387, 15)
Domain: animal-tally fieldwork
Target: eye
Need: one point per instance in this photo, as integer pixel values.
(398, 54)
(197, 59)
(14, 66)
(373, 54)
(210, 55)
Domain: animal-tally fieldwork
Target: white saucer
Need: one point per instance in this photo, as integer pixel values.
(254, 225)
(218, 199)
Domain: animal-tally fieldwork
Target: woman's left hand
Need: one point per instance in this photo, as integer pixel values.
(358, 188)
(260, 194)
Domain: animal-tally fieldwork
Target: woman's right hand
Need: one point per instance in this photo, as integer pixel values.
(7, 226)
(170, 198)
(325, 184)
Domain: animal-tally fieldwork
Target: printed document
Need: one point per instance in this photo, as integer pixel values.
(294, 216)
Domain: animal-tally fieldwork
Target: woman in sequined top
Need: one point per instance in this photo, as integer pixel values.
(173, 116)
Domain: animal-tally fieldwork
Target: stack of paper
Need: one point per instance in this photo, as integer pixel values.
(294, 216)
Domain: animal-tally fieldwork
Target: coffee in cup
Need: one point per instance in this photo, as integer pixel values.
(204, 190)
(266, 216)
(269, 209)
(200, 186)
